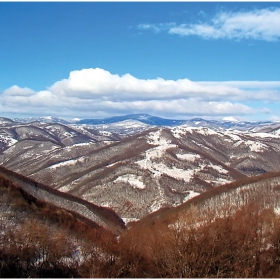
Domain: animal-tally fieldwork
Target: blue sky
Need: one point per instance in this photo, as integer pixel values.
(213, 60)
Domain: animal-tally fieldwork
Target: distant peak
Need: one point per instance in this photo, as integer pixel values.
(230, 119)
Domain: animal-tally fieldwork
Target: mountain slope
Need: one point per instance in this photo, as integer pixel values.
(222, 201)
(139, 169)
(144, 118)
(99, 215)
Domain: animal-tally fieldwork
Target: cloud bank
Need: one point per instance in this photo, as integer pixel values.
(90, 93)
(261, 24)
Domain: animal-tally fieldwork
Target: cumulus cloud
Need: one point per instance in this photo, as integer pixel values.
(17, 91)
(101, 84)
(263, 24)
(98, 93)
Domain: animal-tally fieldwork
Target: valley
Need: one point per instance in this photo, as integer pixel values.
(136, 168)
(131, 199)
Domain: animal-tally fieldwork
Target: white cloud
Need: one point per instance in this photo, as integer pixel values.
(97, 93)
(100, 84)
(261, 24)
(149, 26)
(17, 91)
(184, 107)
(157, 27)
(246, 84)
(94, 83)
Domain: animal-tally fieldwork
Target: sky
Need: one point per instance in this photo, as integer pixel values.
(181, 60)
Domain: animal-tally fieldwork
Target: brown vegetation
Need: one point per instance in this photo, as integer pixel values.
(51, 242)
(112, 219)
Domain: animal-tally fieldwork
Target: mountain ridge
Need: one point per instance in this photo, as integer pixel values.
(137, 169)
(149, 120)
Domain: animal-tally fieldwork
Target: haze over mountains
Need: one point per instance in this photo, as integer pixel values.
(138, 164)
(150, 120)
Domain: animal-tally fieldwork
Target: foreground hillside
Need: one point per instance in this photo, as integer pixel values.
(223, 201)
(91, 214)
(232, 231)
(41, 240)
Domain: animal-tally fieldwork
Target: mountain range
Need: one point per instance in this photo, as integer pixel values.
(138, 164)
(151, 120)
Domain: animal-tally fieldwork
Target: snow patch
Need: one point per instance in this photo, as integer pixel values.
(134, 180)
(159, 168)
(66, 163)
(230, 119)
(127, 220)
(277, 211)
(69, 134)
(257, 146)
(76, 119)
(8, 140)
(188, 157)
(232, 135)
(82, 144)
(130, 123)
(253, 145)
(276, 132)
(112, 164)
(219, 168)
(264, 135)
(200, 130)
(191, 195)
(105, 133)
(155, 138)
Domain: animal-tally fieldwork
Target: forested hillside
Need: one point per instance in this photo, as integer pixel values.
(41, 240)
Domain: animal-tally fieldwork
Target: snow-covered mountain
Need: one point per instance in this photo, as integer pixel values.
(143, 118)
(47, 119)
(135, 168)
(146, 119)
(227, 123)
